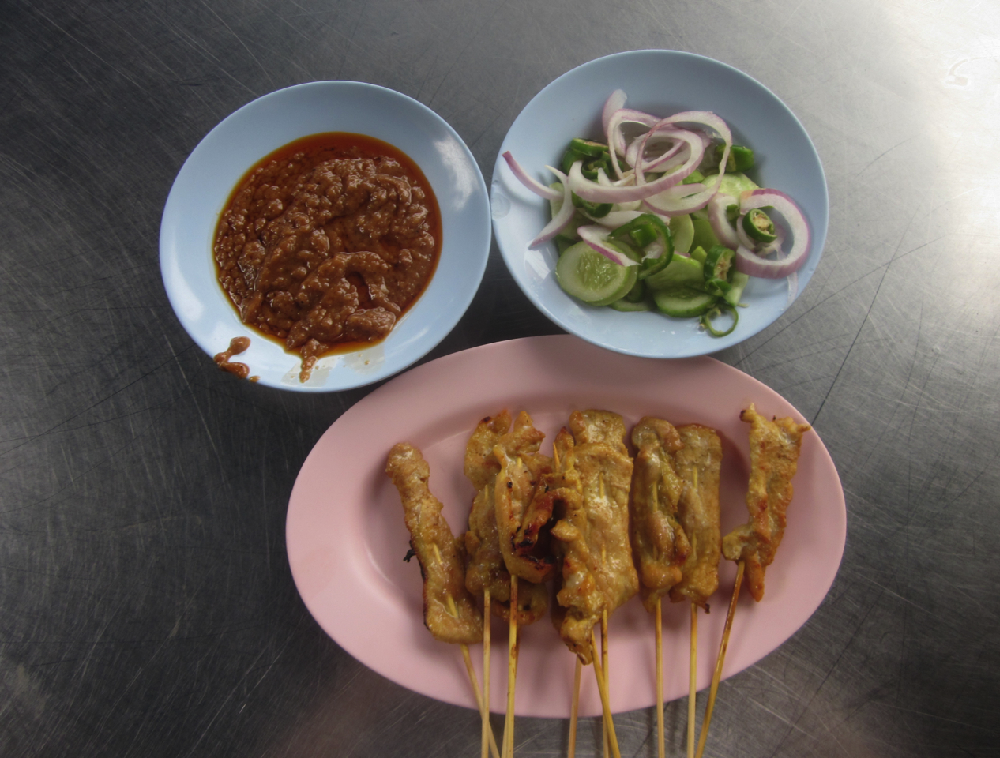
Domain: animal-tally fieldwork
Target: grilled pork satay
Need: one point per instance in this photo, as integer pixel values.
(774, 455)
(450, 612)
(523, 509)
(485, 567)
(592, 535)
(658, 541)
(698, 464)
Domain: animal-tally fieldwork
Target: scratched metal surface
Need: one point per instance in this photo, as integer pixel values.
(146, 605)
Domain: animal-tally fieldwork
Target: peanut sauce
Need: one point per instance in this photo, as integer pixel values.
(327, 242)
(236, 346)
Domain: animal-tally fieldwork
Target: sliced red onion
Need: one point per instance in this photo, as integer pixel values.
(594, 192)
(615, 102)
(596, 237)
(535, 186)
(684, 198)
(718, 218)
(561, 220)
(750, 262)
(613, 130)
(614, 219)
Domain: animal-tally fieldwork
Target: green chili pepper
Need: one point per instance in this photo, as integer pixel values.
(718, 260)
(758, 226)
(595, 210)
(741, 158)
(693, 177)
(641, 232)
(718, 310)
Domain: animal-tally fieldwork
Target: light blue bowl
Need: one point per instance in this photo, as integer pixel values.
(210, 173)
(661, 82)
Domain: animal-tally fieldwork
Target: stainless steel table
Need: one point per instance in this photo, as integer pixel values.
(146, 604)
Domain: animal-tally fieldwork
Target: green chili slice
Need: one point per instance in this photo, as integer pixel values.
(718, 310)
(758, 226)
(741, 158)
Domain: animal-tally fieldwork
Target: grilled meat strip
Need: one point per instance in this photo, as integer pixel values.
(523, 509)
(450, 612)
(592, 536)
(485, 567)
(699, 463)
(658, 541)
(774, 456)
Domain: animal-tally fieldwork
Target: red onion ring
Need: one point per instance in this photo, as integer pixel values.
(750, 262)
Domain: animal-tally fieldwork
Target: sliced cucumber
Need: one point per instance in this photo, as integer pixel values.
(680, 271)
(736, 184)
(587, 275)
(683, 302)
(739, 280)
(683, 228)
(703, 234)
(628, 306)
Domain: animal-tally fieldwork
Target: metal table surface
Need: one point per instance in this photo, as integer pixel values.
(146, 602)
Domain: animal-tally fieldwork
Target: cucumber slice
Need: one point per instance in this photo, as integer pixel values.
(628, 306)
(683, 302)
(587, 275)
(703, 235)
(680, 271)
(736, 184)
(739, 280)
(683, 228)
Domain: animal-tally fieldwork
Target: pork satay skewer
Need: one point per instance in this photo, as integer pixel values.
(522, 508)
(774, 455)
(494, 451)
(698, 463)
(591, 536)
(450, 613)
(658, 541)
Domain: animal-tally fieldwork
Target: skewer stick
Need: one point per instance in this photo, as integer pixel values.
(508, 730)
(484, 707)
(574, 709)
(453, 610)
(717, 674)
(602, 686)
(661, 745)
(692, 680)
(605, 669)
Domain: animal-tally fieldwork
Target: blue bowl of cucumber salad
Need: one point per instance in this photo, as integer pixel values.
(660, 204)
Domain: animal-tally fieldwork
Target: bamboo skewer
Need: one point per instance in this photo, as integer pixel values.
(485, 705)
(717, 674)
(605, 670)
(508, 730)
(692, 680)
(660, 742)
(574, 709)
(602, 686)
(453, 610)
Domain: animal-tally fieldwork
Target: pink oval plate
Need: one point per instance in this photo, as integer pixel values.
(346, 538)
